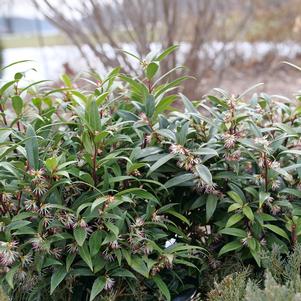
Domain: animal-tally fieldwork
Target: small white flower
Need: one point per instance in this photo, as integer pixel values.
(178, 149)
(275, 184)
(72, 248)
(235, 156)
(229, 140)
(38, 243)
(114, 245)
(261, 162)
(139, 222)
(56, 252)
(82, 224)
(67, 219)
(275, 209)
(109, 283)
(107, 255)
(2, 226)
(8, 254)
(31, 205)
(44, 209)
(275, 165)
(6, 196)
(157, 217)
(263, 242)
(37, 174)
(40, 188)
(26, 260)
(262, 141)
(147, 249)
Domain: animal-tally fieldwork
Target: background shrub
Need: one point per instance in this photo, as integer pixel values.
(240, 286)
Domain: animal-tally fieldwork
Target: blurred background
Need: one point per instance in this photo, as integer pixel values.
(232, 44)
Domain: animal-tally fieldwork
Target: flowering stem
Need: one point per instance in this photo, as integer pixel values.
(18, 126)
(293, 235)
(3, 114)
(150, 87)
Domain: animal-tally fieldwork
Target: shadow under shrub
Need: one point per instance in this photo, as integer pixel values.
(109, 192)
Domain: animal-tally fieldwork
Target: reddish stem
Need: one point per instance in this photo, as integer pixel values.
(293, 235)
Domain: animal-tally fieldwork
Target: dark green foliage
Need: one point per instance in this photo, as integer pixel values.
(80, 218)
(109, 192)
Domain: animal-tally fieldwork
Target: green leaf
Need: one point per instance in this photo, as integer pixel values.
(6, 86)
(139, 266)
(150, 106)
(112, 228)
(92, 115)
(66, 80)
(181, 136)
(69, 260)
(166, 52)
(291, 191)
(139, 192)
(10, 168)
(17, 103)
(256, 256)
(98, 202)
(9, 276)
(188, 105)
(25, 231)
(234, 232)
(248, 213)
(56, 278)
(31, 147)
(162, 287)
(235, 197)
(101, 98)
(204, 173)
(231, 246)
(85, 255)
(49, 261)
(160, 162)
(235, 218)
(18, 225)
(205, 151)
(252, 244)
(23, 215)
(152, 69)
(87, 142)
(210, 206)
(122, 273)
(14, 63)
(80, 235)
(234, 207)
(179, 216)
(95, 242)
(51, 164)
(139, 153)
(97, 287)
(263, 196)
(277, 230)
(178, 180)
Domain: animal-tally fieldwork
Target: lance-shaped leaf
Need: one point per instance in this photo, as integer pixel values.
(31, 147)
